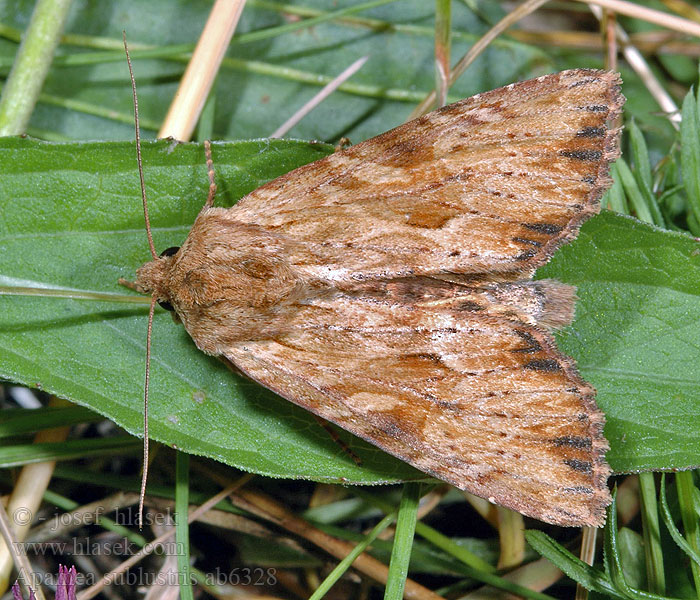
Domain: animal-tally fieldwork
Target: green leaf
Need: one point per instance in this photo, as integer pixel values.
(613, 560)
(346, 563)
(653, 551)
(641, 157)
(634, 336)
(630, 185)
(274, 65)
(671, 526)
(632, 553)
(18, 421)
(182, 527)
(272, 551)
(615, 196)
(403, 542)
(72, 219)
(610, 583)
(687, 496)
(589, 577)
(642, 174)
(690, 152)
(13, 455)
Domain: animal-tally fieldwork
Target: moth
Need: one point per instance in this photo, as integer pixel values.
(388, 289)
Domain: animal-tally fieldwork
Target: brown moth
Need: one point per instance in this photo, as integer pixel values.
(387, 288)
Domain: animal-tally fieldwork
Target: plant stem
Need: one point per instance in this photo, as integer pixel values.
(31, 65)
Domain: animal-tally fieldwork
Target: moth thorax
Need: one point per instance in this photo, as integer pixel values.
(151, 278)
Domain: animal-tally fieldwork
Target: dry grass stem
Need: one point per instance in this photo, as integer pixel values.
(201, 71)
(27, 496)
(269, 509)
(95, 589)
(640, 66)
(326, 91)
(609, 30)
(647, 42)
(587, 555)
(511, 533)
(683, 8)
(13, 546)
(527, 7)
(66, 522)
(637, 11)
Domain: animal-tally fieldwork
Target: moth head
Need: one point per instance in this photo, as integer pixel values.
(152, 277)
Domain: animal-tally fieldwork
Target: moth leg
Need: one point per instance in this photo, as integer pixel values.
(334, 436)
(343, 143)
(210, 174)
(128, 284)
(234, 369)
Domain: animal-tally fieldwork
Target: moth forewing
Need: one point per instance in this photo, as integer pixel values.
(387, 289)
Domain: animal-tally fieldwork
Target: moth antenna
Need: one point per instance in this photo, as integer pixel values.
(144, 474)
(154, 299)
(152, 247)
(210, 173)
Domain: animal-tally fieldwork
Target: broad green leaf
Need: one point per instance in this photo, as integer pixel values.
(635, 337)
(72, 219)
(270, 71)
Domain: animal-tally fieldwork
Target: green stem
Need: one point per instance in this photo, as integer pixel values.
(10, 290)
(345, 564)
(182, 531)
(31, 66)
(653, 552)
(691, 523)
(403, 542)
(263, 34)
(443, 22)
